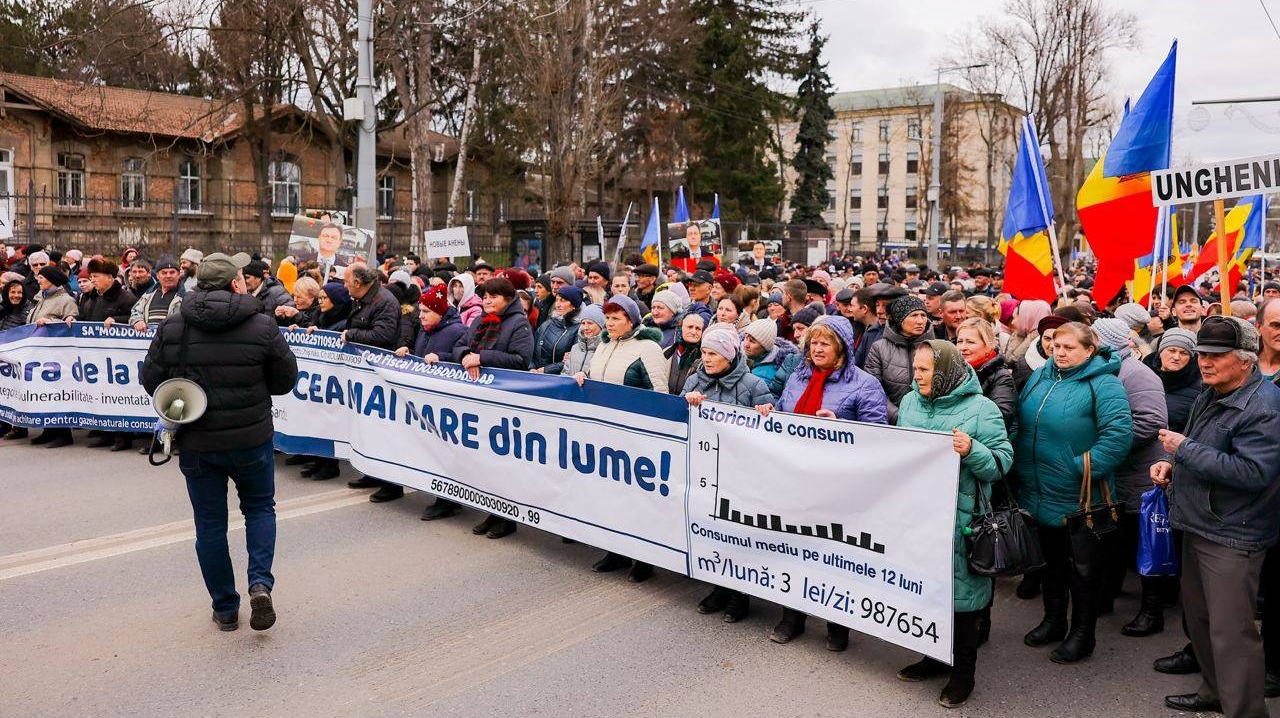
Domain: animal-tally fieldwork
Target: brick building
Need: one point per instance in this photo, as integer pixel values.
(102, 168)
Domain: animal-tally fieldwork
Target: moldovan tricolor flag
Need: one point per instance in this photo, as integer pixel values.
(1114, 203)
(651, 245)
(1024, 239)
(1162, 267)
(1243, 232)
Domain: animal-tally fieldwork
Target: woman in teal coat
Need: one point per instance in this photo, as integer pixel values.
(946, 396)
(1073, 404)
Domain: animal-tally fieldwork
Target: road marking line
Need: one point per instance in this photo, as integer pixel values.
(85, 550)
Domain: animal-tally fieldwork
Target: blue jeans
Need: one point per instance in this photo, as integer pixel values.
(253, 472)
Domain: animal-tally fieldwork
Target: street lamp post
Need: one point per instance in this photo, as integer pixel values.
(935, 179)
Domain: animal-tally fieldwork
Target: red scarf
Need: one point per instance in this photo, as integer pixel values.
(977, 363)
(811, 400)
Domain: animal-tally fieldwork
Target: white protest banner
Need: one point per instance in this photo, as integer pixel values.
(845, 521)
(1217, 180)
(6, 224)
(849, 522)
(83, 377)
(450, 242)
(600, 464)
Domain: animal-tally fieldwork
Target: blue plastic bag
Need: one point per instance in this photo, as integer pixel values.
(1157, 555)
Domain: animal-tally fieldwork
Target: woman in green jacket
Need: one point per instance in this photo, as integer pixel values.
(946, 396)
(1073, 404)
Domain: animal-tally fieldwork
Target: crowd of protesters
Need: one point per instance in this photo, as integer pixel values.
(1036, 395)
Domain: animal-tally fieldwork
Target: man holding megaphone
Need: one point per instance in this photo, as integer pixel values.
(237, 359)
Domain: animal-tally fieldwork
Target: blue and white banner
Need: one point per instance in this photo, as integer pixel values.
(850, 522)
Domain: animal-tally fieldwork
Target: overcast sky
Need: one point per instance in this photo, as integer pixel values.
(1226, 49)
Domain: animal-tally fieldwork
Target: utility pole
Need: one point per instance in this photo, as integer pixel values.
(935, 179)
(367, 152)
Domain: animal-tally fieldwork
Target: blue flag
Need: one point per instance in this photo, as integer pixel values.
(715, 208)
(651, 245)
(1144, 141)
(1030, 206)
(682, 209)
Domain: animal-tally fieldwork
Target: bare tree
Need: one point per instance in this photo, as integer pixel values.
(1056, 54)
(410, 42)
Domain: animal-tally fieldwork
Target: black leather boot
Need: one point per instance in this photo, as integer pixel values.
(791, 626)
(715, 601)
(1029, 586)
(1080, 639)
(1150, 618)
(960, 685)
(1053, 627)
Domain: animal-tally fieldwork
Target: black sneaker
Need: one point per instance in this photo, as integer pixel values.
(441, 509)
(227, 621)
(264, 614)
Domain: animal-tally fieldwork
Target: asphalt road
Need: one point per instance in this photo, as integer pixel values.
(104, 614)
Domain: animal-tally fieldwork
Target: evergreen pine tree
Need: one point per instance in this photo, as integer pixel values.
(811, 195)
(741, 45)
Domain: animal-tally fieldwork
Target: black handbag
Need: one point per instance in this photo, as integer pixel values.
(1004, 542)
(1091, 525)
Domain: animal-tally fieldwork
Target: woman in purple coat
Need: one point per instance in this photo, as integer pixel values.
(828, 384)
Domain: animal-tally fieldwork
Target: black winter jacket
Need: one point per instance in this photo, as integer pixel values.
(375, 319)
(117, 302)
(237, 355)
(1180, 390)
(513, 348)
(997, 385)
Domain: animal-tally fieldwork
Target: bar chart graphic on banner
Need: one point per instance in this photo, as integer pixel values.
(726, 508)
(802, 521)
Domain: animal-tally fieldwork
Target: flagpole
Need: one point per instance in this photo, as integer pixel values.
(1155, 254)
(622, 235)
(1028, 133)
(1224, 292)
(1164, 275)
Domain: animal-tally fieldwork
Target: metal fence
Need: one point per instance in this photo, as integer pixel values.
(158, 225)
(104, 225)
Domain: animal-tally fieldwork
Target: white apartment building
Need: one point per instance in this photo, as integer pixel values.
(880, 157)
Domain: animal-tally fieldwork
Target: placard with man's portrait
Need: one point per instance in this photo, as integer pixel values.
(334, 246)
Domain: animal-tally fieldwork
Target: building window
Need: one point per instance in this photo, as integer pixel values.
(884, 163)
(386, 197)
(913, 127)
(910, 232)
(913, 197)
(473, 203)
(190, 191)
(855, 199)
(70, 179)
(286, 185)
(855, 165)
(855, 132)
(831, 197)
(133, 183)
(882, 198)
(913, 162)
(882, 231)
(831, 162)
(855, 228)
(884, 130)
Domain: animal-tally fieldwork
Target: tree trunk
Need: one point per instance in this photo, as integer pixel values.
(467, 111)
